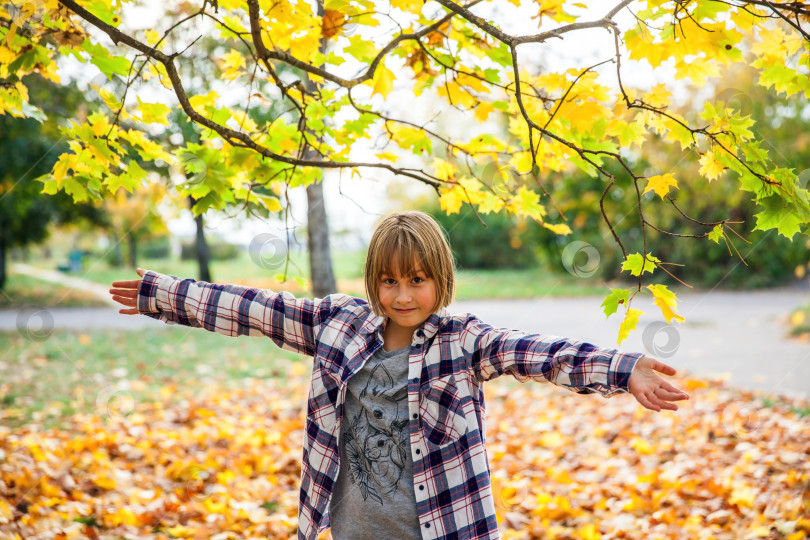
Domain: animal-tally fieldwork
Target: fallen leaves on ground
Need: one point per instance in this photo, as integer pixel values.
(226, 463)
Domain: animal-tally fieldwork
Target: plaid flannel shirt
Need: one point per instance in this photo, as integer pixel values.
(451, 356)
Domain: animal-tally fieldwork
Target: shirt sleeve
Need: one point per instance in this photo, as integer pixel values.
(234, 310)
(576, 365)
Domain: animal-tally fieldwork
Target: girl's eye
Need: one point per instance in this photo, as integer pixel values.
(418, 280)
(388, 281)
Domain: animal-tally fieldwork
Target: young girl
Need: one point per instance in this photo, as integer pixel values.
(394, 445)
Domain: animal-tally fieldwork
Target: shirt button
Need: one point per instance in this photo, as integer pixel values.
(421, 487)
(427, 525)
(415, 381)
(419, 333)
(415, 415)
(418, 451)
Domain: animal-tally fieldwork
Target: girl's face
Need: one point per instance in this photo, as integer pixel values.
(407, 300)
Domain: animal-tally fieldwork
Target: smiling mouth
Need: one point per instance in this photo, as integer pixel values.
(404, 310)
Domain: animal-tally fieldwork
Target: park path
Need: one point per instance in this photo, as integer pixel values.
(71, 282)
(738, 335)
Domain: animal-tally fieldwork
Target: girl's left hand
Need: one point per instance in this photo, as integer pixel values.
(126, 293)
(652, 391)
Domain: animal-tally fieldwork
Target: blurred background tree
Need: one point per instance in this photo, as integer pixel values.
(30, 147)
(771, 259)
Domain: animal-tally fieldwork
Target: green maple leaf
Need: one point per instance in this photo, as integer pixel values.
(717, 233)
(776, 215)
(612, 301)
(635, 262)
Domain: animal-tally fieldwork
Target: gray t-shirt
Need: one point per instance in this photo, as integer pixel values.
(373, 496)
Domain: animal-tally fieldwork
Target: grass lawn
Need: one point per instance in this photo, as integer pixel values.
(73, 372)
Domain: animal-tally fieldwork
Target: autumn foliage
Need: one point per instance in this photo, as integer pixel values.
(307, 84)
(226, 463)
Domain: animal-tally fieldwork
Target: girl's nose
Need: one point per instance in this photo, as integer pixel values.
(403, 294)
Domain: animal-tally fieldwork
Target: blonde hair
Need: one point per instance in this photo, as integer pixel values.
(412, 238)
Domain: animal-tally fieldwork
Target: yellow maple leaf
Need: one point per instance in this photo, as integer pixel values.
(451, 200)
(667, 301)
(179, 531)
(483, 110)
(699, 69)
(558, 228)
(383, 81)
(208, 100)
(152, 37)
(742, 495)
(490, 203)
(231, 63)
(154, 113)
(589, 532)
(456, 95)
(661, 184)
(710, 167)
(444, 169)
(659, 97)
(629, 323)
(390, 156)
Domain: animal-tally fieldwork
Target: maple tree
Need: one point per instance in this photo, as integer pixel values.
(326, 67)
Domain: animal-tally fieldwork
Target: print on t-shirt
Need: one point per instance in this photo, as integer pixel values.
(376, 439)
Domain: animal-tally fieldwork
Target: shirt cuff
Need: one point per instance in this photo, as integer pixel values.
(147, 293)
(621, 366)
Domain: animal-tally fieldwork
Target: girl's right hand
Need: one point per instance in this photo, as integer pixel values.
(126, 293)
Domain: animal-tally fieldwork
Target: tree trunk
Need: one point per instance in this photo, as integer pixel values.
(133, 251)
(2, 263)
(118, 254)
(201, 248)
(320, 257)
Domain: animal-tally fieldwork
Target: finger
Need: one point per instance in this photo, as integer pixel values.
(130, 284)
(128, 311)
(668, 395)
(666, 386)
(663, 368)
(665, 405)
(141, 271)
(647, 403)
(125, 301)
(129, 293)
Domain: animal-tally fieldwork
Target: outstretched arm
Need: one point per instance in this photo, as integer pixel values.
(652, 391)
(232, 310)
(126, 293)
(576, 365)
